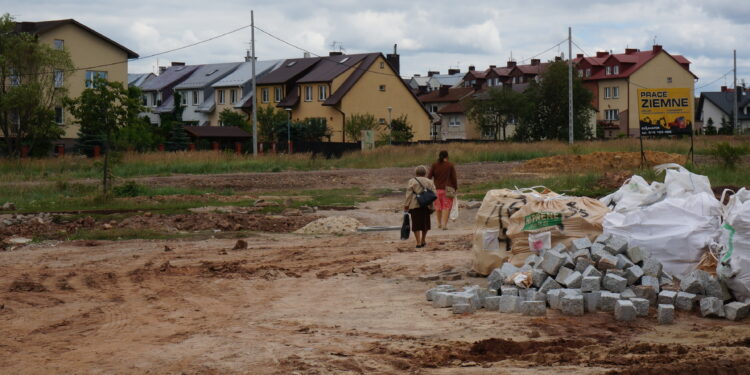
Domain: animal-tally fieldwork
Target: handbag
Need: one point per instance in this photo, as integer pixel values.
(426, 197)
(450, 192)
(405, 227)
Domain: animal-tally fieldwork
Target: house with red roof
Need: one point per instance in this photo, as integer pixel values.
(614, 79)
(447, 107)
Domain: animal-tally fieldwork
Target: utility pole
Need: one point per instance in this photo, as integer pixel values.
(736, 125)
(570, 86)
(255, 97)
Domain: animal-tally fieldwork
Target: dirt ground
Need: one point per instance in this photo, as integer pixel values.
(311, 304)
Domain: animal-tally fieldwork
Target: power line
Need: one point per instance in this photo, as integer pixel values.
(581, 49)
(714, 81)
(545, 51)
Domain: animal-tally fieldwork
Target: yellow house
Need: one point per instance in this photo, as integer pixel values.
(337, 86)
(92, 54)
(234, 92)
(614, 79)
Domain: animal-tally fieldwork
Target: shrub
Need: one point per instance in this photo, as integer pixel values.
(729, 155)
(129, 189)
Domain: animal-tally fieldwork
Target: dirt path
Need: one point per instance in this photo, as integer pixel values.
(293, 304)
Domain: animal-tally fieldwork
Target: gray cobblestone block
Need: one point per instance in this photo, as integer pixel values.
(582, 264)
(468, 298)
(532, 260)
(552, 262)
(652, 282)
(652, 267)
(439, 288)
(623, 262)
(533, 308)
(492, 303)
(525, 268)
(537, 277)
(625, 311)
(616, 245)
(636, 254)
(712, 307)
(665, 314)
(685, 301)
(602, 238)
(712, 288)
(580, 254)
(560, 248)
(572, 305)
(667, 297)
(463, 308)
(597, 252)
(616, 271)
(573, 280)
(591, 284)
(607, 301)
(628, 294)
(553, 298)
(645, 292)
(665, 281)
(606, 262)
(483, 294)
(495, 276)
(591, 301)
(591, 271)
(701, 275)
(726, 295)
(495, 284)
(580, 244)
(526, 294)
(537, 296)
(569, 262)
(549, 284)
(736, 310)
(633, 274)
(691, 284)
(641, 306)
(442, 299)
(509, 304)
(508, 290)
(614, 283)
(562, 273)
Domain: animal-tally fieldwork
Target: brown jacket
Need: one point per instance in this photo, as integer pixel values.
(444, 174)
(413, 188)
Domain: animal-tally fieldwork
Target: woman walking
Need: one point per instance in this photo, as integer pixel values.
(443, 173)
(420, 216)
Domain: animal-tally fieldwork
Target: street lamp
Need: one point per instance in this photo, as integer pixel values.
(289, 130)
(390, 128)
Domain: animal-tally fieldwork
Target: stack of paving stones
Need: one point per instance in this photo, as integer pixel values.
(606, 275)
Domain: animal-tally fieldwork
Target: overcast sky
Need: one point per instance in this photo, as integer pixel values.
(431, 35)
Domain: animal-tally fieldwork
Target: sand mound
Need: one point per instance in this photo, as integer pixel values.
(331, 225)
(598, 161)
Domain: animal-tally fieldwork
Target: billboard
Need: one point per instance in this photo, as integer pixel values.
(665, 111)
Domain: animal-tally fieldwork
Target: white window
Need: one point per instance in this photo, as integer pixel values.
(195, 97)
(322, 92)
(580, 72)
(433, 108)
(183, 98)
(608, 70)
(264, 95)
(588, 72)
(382, 65)
(669, 79)
(277, 94)
(616, 70)
(59, 78)
(145, 100)
(308, 93)
(607, 93)
(615, 92)
(454, 121)
(59, 115)
(381, 88)
(59, 44)
(232, 96)
(612, 114)
(153, 99)
(91, 74)
(221, 96)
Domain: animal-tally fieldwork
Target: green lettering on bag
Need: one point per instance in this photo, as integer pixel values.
(539, 220)
(730, 240)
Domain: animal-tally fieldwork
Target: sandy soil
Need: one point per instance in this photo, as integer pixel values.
(303, 304)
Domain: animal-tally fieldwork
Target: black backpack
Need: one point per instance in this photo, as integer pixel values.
(426, 197)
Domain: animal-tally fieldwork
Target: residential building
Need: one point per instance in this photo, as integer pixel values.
(235, 90)
(197, 94)
(139, 79)
(338, 85)
(434, 80)
(718, 106)
(614, 79)
(158, 92)
(447, 108)
(474, 78)
(87, 48)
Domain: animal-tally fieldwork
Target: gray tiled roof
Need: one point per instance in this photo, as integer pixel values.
(168, 77)
(244, 73)
(725, 101)
(206, 75)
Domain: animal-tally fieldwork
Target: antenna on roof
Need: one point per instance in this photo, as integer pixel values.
(654, 39)
(511, 56)
(339, 44)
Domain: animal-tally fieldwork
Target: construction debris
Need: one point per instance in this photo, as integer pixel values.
(331, 225)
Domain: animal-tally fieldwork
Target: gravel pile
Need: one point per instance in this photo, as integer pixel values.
(331, 225)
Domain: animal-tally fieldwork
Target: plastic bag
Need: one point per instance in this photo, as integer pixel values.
(405, 227)
(680, 182)
(539, 242)
(734, 260)
(454, 211)
(635, 192)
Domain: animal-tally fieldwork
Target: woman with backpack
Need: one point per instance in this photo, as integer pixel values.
(420, 193)
(443, 173)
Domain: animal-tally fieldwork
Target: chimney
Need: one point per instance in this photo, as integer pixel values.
(602, 53)
(444, 90)
(723, 89)
(162, 69)
(432, 73)
(306, 55)
(493, 66)
(580, 56)
(471, 68)
(175, 63)
(657, 48)
(557, 58)
(247, 56)
(535, 61)
(454, 71)
(394, 60)
(630, 51)
(417, 75)
(511, 64)
(335, 53)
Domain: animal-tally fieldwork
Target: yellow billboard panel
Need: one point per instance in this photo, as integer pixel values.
(665, 111)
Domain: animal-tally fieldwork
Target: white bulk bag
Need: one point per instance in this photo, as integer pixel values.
(635, 192)
(734, 261)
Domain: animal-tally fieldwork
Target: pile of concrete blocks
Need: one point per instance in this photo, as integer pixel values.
(606, 275)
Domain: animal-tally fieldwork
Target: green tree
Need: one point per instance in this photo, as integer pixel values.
(178, 138)
(103, 110)
(272, 124)
(171, 119)
(33, 87)
(138, 135)
(400, 130)
(493, 110)
(545, 113)
(356, 123)
(228, 117)
(710, 128)
(727, 126)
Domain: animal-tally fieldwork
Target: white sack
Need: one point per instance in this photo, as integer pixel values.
(734, 262)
